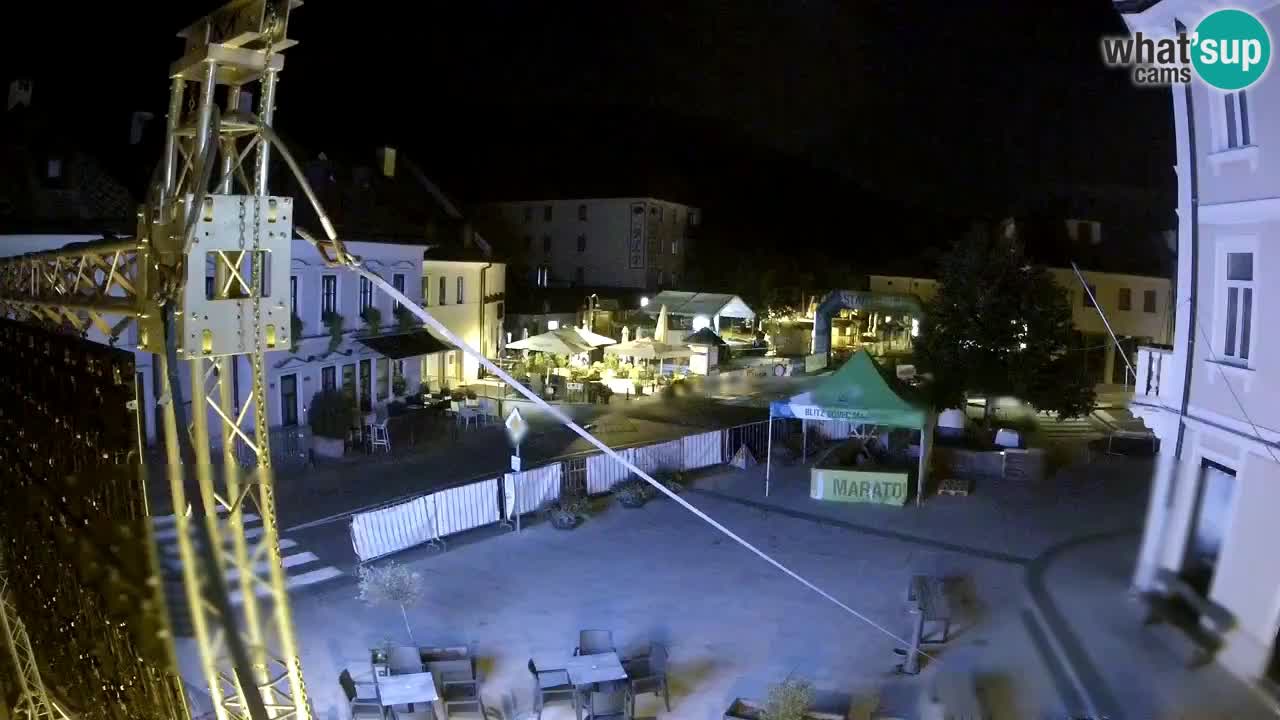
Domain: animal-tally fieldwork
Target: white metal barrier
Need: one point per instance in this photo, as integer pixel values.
(530, 490)
(466, 507)
(702, 450)
(656, 458)
(603, 472)
(380, 532)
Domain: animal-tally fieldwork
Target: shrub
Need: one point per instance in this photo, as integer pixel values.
(405, 320)
(333, 321)
(372, 318)
(332, 413)
(788, 700)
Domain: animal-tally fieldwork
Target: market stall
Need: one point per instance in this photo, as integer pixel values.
(861, 399)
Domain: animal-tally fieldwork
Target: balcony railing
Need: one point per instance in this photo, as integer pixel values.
(1156, 379)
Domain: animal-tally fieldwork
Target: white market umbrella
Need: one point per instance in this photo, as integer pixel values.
(592, 339)
(626, 333)
(648, 349)
(660, 333)
(554, 341)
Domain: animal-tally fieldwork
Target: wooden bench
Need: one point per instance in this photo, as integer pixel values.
(1202, 622)
(930, 596)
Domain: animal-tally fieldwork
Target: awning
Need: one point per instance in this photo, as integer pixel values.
(398, 346)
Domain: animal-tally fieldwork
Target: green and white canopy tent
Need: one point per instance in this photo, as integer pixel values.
(858, 393)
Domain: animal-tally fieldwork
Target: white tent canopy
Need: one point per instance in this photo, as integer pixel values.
(707, 304)
(561, 342)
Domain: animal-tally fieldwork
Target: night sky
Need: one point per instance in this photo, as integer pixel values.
(837, 112)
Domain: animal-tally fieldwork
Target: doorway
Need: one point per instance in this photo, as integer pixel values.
(289, 400)
(366, 385)
(1209, 525)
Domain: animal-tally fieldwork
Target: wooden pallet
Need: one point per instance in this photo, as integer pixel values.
(954, 486)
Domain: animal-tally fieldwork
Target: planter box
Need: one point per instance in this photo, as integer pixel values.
(327, 447)
(742, 709)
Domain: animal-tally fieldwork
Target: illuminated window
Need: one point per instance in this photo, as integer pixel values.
(328, 294)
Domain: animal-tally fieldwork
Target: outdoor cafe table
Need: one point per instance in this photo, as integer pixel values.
(591, 669)
(407, 689)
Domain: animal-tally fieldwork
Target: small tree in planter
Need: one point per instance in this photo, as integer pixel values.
(372, 318)
(391, 584)
(333, 321)
(331, 415)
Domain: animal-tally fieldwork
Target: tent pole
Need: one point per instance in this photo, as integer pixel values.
(768, 456)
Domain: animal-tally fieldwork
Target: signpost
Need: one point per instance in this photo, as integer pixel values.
(517, 427)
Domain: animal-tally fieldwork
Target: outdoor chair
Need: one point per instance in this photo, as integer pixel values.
(551, 685)
(403, 660)
(378, 436)
(458, 685)
(648, 674)
(594, 642)
(366, 705)
(414, 714)
(611, 701)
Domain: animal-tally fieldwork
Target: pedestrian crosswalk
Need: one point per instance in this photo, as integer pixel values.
(302, 567)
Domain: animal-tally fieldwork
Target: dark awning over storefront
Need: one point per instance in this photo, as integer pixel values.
(402, 345)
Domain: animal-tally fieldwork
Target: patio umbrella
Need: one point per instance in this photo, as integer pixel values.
(660, 333)
(649, 349)
(592, 339)
(560, 342)
(626, 333)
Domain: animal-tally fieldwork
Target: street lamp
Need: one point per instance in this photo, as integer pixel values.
(644, 301)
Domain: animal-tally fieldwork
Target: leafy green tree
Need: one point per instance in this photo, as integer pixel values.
(1000, 325)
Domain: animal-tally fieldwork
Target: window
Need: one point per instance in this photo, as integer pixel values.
(329, 378)
(208, 287)
(546, 243)
(1236, 107)
(546, 213)
(528, 214)
(366, 384)
(328, 294)
(1239, 306)
(366, 294)
(1149, 301)
(53, 170)
(542, 275)
(675, 246)
(397, 369)
(289, 400)
(1126, 299)
(579, 276)
(426, 290)
(582, 243)
(444, 291)
(397, 282)
(349, 380)
(384, 383)
(460, 296)
(1085, 300)
(293, 294)
(582, 212)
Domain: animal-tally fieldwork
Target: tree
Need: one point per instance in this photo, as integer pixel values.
(1001, 326)
(391, 584)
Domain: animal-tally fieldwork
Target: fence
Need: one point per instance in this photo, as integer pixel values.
(290, 446)
(429, 518)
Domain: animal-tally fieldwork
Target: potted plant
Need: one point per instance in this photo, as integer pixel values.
(331, 415)
(405, 319)
(372, 318)
(568, 512)
(333, 321)
(788, 700)
(632, 493)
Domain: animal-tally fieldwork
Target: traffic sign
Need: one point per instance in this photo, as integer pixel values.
(516, 426)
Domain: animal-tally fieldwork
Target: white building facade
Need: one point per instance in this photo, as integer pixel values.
(636, 242)
(469, 297)
(316, 293)
(1212, 400)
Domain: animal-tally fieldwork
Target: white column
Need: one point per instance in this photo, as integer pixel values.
(1163, 477)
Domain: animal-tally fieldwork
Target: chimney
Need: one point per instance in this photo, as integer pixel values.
(19, 94)
(387, 161)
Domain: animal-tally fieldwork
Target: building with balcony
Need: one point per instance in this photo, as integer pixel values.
(624, 242)
(1211, 397)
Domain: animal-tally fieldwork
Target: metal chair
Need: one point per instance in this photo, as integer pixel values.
(378, 436)
(648, 674)
(368, 705)
(610, 701)
(552, 685)
(403, 660)
(594, 642)
(458, 685)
